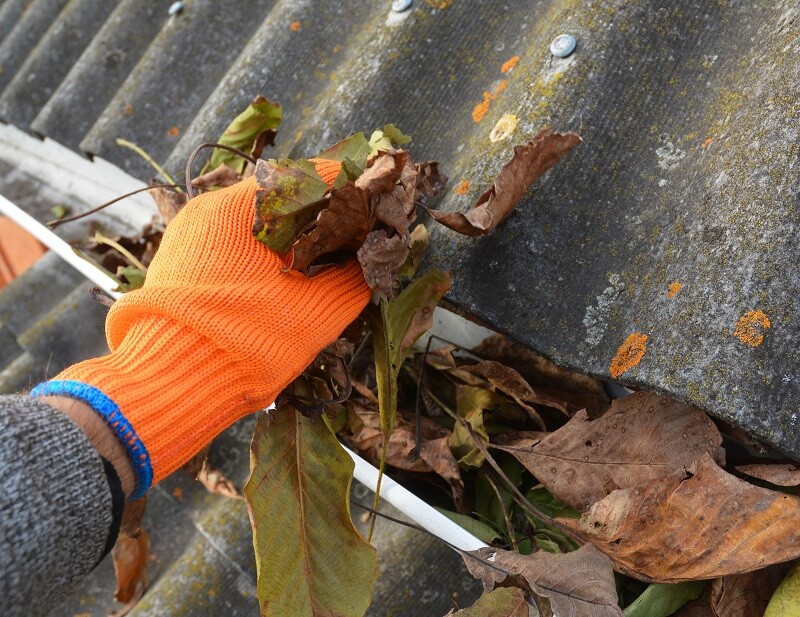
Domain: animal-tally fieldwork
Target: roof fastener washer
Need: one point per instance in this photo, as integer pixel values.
(398, 6)
(175, 8)
(563, 45)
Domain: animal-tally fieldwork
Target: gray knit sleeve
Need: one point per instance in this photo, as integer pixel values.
(56, 506)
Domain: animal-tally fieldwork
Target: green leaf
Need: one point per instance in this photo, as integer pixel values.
(471, 402)
(785, 602)
(549, 505)
(355, 148)
(133, 275)
(660, 600)
(502, 602)
(59, 211)
(290, 195)
(310, 560)
(387, 139)
(480, 530)
(261, 115)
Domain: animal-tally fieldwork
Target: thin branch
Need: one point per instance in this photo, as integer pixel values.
(196, 151)
(129, 257)
(96, 294)
(512, 535)
(68, 219)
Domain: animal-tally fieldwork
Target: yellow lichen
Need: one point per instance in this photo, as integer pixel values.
(673, 289)
(629, 354)
(750, 328)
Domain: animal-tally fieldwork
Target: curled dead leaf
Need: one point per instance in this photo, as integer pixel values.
(168, 201)
(529, 163)
(576, 583)
(129, 556)
(642, 437)
(220, 177)
(681, 528)
(784, 474)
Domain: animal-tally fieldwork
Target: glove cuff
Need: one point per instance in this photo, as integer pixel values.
(166, 391)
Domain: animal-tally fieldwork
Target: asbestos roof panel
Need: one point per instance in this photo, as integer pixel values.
(675, 220)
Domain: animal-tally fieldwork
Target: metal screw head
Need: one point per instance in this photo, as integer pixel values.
(175, 8)
(563, 45)
(398, 6)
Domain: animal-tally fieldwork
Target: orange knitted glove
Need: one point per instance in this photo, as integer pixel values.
(216, 333)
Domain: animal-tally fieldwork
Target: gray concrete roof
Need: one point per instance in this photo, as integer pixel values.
(688, 174)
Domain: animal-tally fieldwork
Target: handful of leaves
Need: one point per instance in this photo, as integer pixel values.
(372, 204)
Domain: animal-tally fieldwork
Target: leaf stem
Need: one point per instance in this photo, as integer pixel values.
(101, 239)
(161, 171)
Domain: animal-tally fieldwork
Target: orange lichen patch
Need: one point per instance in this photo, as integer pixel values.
(629, 354)
(295, 26)
(481, 108)
(440, 4)
(174, 131)
(707, 143)
(509, 64)
(177, 493)
(673, 289)
(462, 188)
(750, 328)
(128, 109)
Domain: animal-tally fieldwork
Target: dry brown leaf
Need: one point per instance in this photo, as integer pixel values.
(502, 602)
(343, 225)
(643, 437)
(580, 583)
(573, 390)
(529, 163)
(195, 464)
(216, 482)
(129, 556)
(435, 455)
(780, 475)
(395, 207)
(382, 172)
(169, 202)
(708, 525)
(430, 181)
(132, 515)
(220, 177)
(508, 381)
(381, 257)
(746, 595)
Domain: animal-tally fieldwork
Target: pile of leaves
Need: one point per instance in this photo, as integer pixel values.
(640, 506)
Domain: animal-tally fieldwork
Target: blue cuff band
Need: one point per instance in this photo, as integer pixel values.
(140, 458)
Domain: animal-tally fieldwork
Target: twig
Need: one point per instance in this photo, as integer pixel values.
(161, 171)
(417, 412)
(511, 533)
(96, 294)
(518, 497)
(196, 151)
(67, 219)
(461, 552)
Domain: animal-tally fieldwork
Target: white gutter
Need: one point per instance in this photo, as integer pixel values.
(409, 504)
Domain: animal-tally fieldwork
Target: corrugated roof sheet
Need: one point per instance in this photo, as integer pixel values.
(687, 177)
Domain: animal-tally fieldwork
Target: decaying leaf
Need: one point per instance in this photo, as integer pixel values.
(357, 149)
(290, 195)
(471, 402)
(477, 528)
(220, 177)
(552, 383)
(169, 202)
(435, 455)
(381, 258)
(642, 437)
(579, 583)
(529, 163)
(195, 464)
(249, 132)
(681, 528)
(131, 524)
(129, 557)
(747, 595)
(310, 560)
(216, 482)
(502, 602)
(784, 474)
